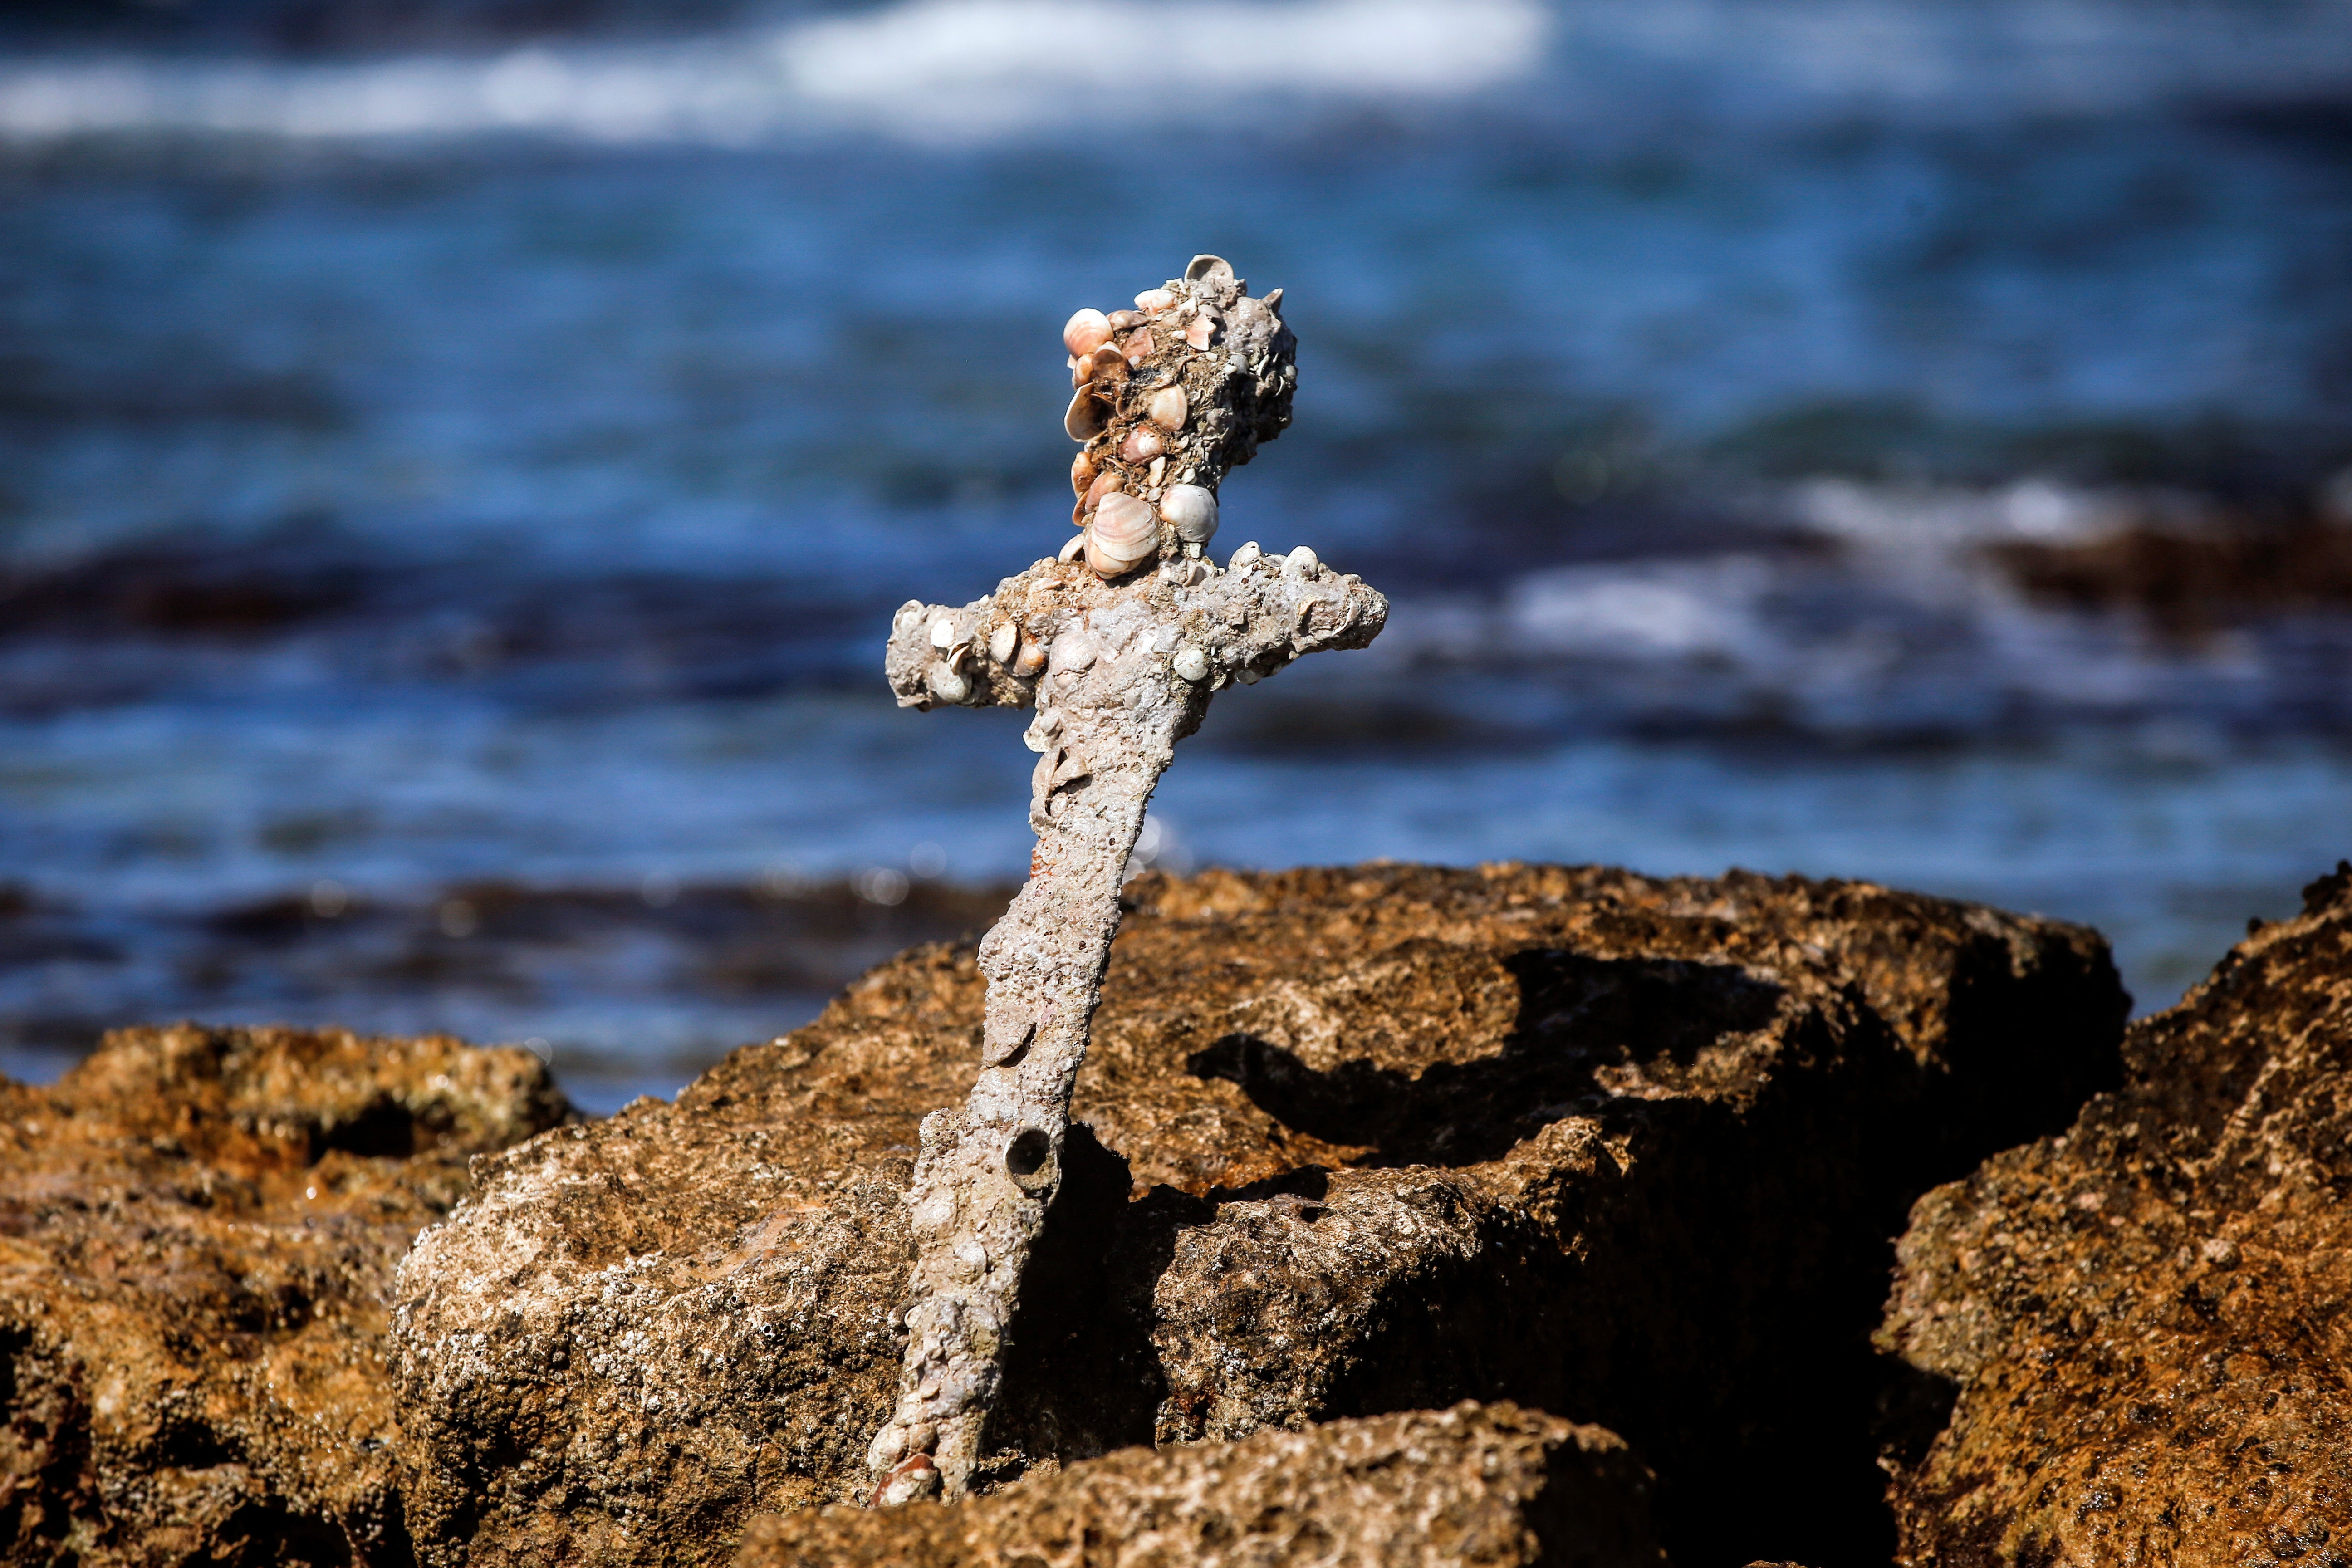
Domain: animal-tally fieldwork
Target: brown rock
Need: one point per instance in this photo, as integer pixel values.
(1369, 1140)
(1473, 1485)
(197, 1230)
(2149, 1318)
(2191, 584)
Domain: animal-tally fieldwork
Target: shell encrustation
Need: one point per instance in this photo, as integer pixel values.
(1166, 398)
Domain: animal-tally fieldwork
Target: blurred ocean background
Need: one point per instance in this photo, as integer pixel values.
(457, 462)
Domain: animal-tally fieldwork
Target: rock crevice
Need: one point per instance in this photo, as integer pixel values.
(198, 1229)
(2143, 1322)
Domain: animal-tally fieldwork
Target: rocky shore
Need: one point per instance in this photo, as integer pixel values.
(1513, 1216)
(2147, 1319)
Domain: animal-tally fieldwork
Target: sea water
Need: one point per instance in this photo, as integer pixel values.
(445, 485)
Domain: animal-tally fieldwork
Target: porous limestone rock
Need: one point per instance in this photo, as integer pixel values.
(2147, 1319)
(1491, 1486)
(1349, 1141)
(197, 1227)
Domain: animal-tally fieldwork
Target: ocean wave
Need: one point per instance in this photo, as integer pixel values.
(960, 62)
(1899, 610)
(1641, 610)
(979, 69)
(928, 69)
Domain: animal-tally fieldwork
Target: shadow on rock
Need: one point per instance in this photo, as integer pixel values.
(1082, 1377)
(1577, 1016)
(2145, 1319)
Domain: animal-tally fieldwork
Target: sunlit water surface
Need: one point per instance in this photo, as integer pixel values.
(446, 483)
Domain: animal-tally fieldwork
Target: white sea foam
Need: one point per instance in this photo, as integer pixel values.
(959, 62)
(964, 69)
(1946, 518)
(1647, 609)
(930, 68)
(680, 92)
(1905, 619)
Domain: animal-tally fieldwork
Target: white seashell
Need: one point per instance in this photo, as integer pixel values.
(1273, 302)
(1189, 663)
(943, 635)
(1086, 331)
(1105, 482)
(1123, 520)
(1151, 302)
(1192, 511)
(1104, 567)
(1301, 563)
(1167, 408)
(1082, 473)
(1157, 465)
(1209, 269)
(1073, 650)
(1002, 641)
(1122, 536)
(1070, 551)
(1120, 321)
(947, 685)
(1031, 656)
(1201, 331)
(1246, 556)
(1143, 445)
(1087, 417)
(1247, 676)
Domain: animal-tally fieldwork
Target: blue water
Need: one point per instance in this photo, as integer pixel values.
(498, 465)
